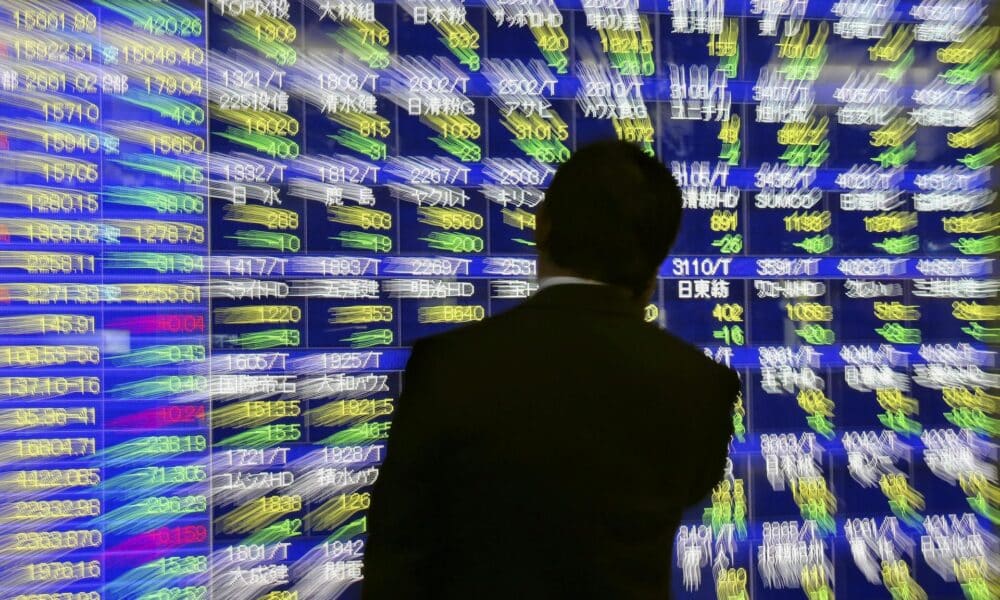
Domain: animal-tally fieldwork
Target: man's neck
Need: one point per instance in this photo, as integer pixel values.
(548, 270)
(547, 282)
(550, 275)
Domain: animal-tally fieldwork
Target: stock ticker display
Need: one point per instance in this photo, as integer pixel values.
(222, 225)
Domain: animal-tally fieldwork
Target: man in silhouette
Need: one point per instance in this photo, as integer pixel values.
(548, 452)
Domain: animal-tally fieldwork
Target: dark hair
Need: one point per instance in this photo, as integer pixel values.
(612, 213)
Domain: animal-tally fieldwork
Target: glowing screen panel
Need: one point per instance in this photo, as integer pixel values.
(223, 224)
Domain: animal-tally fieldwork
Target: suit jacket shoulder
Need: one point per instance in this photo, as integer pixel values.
(692, 357)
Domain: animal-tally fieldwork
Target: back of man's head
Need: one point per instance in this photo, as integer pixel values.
(611, 214)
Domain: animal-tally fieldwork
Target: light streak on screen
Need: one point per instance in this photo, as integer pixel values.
(223, 224)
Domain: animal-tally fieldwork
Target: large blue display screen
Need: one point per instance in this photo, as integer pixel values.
(223, 224)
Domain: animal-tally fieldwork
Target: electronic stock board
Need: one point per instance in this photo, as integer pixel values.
(223, 223)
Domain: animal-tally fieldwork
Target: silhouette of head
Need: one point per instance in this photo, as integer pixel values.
(611, 214)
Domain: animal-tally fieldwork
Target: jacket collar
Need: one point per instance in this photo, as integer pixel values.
(587, 298)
